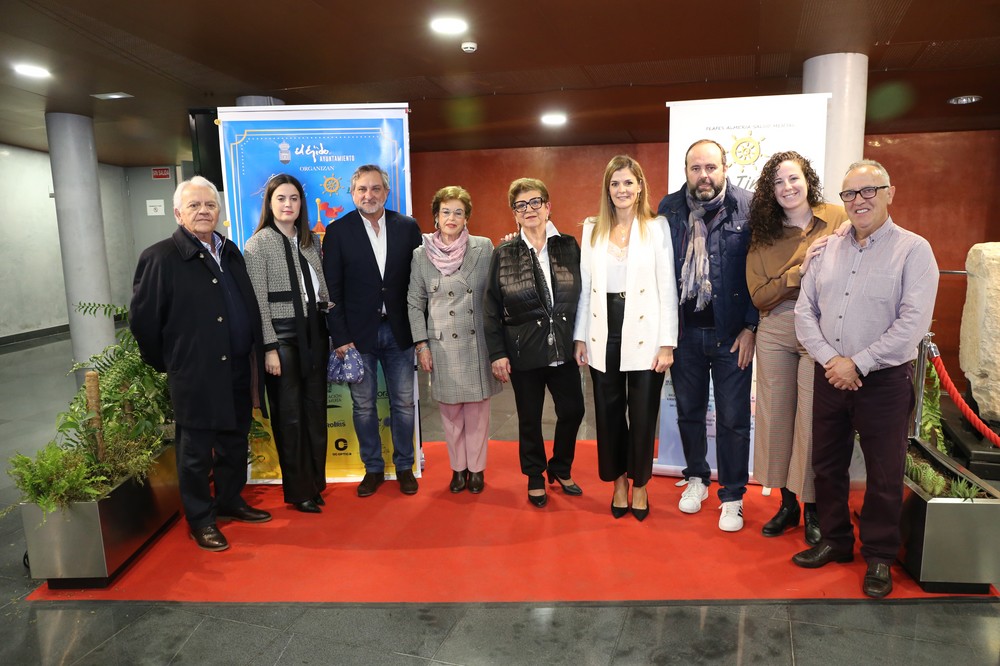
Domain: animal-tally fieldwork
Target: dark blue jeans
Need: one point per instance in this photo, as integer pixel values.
(397, 366)
(700, 355)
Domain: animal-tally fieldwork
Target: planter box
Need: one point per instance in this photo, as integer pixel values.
(88, 543)
(950, 545)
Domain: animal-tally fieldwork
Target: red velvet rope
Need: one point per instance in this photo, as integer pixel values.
(967, 412)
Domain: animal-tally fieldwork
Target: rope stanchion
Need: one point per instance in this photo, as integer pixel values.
(967, 412)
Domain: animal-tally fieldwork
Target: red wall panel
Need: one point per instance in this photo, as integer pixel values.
(946, 191)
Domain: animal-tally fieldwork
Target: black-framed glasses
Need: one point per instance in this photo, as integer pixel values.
(865, 192)
(521, 206)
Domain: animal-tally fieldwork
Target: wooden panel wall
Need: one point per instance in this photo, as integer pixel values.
(946, 191)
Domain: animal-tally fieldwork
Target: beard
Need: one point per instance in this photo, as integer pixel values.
(705, 195)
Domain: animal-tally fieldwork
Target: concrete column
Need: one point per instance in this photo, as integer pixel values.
(845, 75)
(81, 230)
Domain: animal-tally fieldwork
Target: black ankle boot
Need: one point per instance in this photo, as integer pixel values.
(813, 534)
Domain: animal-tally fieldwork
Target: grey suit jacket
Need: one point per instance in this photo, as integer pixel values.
(448, 313)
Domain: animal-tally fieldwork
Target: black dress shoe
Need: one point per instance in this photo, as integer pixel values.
(244, 514)
(878, 580)
(813, 534)
(407, 482)
(319, 500)
(477, 481)
(539, 500)
(370, 483)
(819, 556)
(787, 517)
(308, 506)
(568, 488)
(209, 538)
(458, 481)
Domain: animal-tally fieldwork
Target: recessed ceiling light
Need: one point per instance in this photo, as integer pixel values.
(554, 119)
(114, 95)
(965, 99)
(34, 71)
(449, 25)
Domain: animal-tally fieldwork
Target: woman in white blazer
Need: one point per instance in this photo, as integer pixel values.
(626, 328)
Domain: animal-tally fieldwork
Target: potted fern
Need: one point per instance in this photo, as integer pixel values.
(107, 484)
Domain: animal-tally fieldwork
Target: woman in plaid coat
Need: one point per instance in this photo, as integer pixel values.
(447, 280)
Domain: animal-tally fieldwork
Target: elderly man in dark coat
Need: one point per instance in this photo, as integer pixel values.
(195, 317)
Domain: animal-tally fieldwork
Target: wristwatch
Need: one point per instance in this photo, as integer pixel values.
(751, 327)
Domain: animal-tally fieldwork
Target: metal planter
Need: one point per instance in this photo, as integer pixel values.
(950, 545)
(88, 543)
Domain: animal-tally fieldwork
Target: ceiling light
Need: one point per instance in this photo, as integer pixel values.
(965, 99)
(34, 71)
(113, 95)
(554, 119)
(449, 25)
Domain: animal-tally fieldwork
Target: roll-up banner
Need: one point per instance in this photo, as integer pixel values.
(320, 145)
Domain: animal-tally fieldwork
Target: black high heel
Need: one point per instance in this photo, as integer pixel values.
(618, 511)
(570, 489)
(640, 514)
(538, 500)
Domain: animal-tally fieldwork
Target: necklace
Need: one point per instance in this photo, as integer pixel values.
(623, 231)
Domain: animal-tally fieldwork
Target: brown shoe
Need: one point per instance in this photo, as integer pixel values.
(370, 483)
(244, 514)
(878, 580)
(209, 538)
(819, 556)
(407, 482)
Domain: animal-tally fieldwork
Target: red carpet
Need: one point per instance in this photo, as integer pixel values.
(439, 547)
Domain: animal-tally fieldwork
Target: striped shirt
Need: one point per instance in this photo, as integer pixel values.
(871, 303)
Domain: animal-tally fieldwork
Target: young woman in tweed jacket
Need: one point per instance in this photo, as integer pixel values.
(283, 260)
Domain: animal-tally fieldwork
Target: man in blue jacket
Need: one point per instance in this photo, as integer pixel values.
(366, 261)
(710, 231)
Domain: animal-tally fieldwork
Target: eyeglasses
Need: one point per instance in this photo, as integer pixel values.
(865, 192)
(522, 206)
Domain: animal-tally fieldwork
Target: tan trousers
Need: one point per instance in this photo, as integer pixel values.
(783, 424)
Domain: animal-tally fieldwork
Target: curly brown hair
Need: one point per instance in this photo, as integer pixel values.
(766, 214)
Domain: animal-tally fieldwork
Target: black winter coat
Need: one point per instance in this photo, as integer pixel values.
(518, 322)
(178, 318)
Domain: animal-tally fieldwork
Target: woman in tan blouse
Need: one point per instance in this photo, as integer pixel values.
(787, 218)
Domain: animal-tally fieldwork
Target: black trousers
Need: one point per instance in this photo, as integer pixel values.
(880, 413)
(563, 382)
(219, 454)
(626, 405)
(298, 417)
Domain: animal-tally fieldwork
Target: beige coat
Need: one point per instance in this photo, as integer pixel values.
(448, 313)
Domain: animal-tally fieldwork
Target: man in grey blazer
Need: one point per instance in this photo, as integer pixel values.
(366, 259)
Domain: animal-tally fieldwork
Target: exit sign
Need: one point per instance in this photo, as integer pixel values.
(160, 173)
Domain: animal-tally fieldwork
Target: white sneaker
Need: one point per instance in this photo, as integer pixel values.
(731, 519)
(693, 496)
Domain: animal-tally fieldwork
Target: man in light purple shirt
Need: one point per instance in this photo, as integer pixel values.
(864, 305)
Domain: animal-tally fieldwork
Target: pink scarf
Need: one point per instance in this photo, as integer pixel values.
(446, 258)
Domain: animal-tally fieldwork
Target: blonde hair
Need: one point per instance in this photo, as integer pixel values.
(605, 218)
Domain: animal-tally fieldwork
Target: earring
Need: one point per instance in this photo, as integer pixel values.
(437, 225)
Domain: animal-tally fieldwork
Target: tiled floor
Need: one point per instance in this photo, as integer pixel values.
(34, 387)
